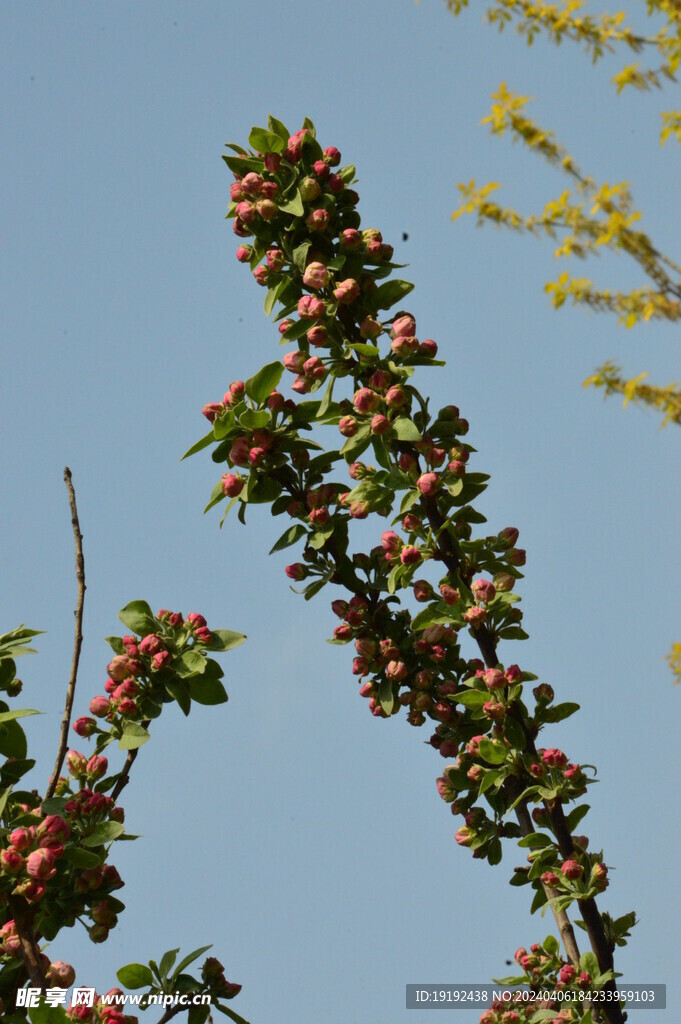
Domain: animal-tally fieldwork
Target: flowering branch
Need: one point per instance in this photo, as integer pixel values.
(329, 278)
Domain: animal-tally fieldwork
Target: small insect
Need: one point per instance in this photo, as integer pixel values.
(405, 236)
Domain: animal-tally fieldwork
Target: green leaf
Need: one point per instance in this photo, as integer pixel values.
(232, 1014)
(455, 488)
(551, 945)
(289, 537)
(363, 349)
(80, 858)
(225, 639)
(492, 752)
(319, 538)
(435, 614)
(386, 295)
(300, 261)
(559, 712)
(10, 716)
(576, 815)
(55, 805)
(189, 959)
(103, 833)
(13, 740)
(327, 399)
(169, 958)
(115, 643)
(207, 691)
(294, 206)
(273, 293)
(135, 976)
(297, 329)
(190, 664)
(494, 851)
(134, 736)
(406, 430)
(216, 496)
(266, 142)
(385, 696)
(589, 963)
(282, 131)
(45, 1014)
(259, 387)
(138, 617)
(200, 445)
(513, 732)
(255, 419)
(354, 446)
(179, 691)
(472, 698)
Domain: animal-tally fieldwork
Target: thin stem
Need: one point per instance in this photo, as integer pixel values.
(124, 776)
(78, 637)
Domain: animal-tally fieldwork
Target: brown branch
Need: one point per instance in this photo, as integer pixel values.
(30, 953)
(77, 640)
(171, 1012)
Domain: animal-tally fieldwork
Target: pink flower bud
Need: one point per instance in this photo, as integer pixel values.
(235, 193)
(475, 617)
(317, 336)
(494, 710)
(403, 326)
(428, 484)
(158, 662)
(232, 486)
(97, 767)
(150, 645)
(314, 368)
(483, 591)
(76, 763)
(391, 542)
(396, 670)
(84, 726)
(423, 591)
(550, 878)
(99, 707)
(428, 348)
(346, 291)
(380, 424)
(311, 308)
(309, 189)
(465, 836)
(11, 862)
(348, 426)
(410, 555)
(516, 556)
(365, 400)
(240, 229)
(332, 155)
(494, 679)
(318, 220)
(571, 869)
(316, 276)
(40, 865)
(251, 184)
(404, 346)
(239, 451)
(351, 240)
(297, 571)
(61, 975)
(275, 260)
(554, 758)
(450, 595)
(244, 253)
(267, 209)
(395, 397)
(567, 974)
(119, 668)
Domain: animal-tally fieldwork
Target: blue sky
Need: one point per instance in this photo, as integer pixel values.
(305, 839)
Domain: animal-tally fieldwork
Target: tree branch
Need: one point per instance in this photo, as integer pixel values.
(30, 952)
(77, 640)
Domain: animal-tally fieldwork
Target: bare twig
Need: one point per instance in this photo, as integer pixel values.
(78, 638)
(124, 776)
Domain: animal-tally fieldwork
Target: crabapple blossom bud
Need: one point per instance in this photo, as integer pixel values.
(380, 424)
(395, 397)
(567, 973)
(365, 400)
(150, 645)
(554, 758)
(297, 571)
(332, 156)
(475, 617)
(246, 212)
(76, 763)
(346, 291)
(267, 209)
(335, 183)
(348, 426)
(317, 336)
(391, 542)
(450, 595)
(314, 368)
(84, 726)
(40, 864)
(543, 692)
(423, 591)
(251, 184)
(97, 767)
(239, 451)
(370, 328)
(311, 308)
(127, 706)
(339, 608)
(316, 276)
(410, 555)
(483, 591)
(158, 662)
(404, 325)
(99, 707)
(404, 345)
(60, 975)
(275, 260)
(11, 861)
(550, 878)
(272, 162)
(261, 274)
(232, 485)
(240, 229)
(411, 523)
(380, 380)
(294, 361)
(428, 484)
(235, 193)
(244, 253)
(537, 770)
(428, 348)
(396, 670)
(318, 220)
(360, 666)
(516, 556)
(571, 869)
(309, 189)
(494, 710)
(465, 836)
